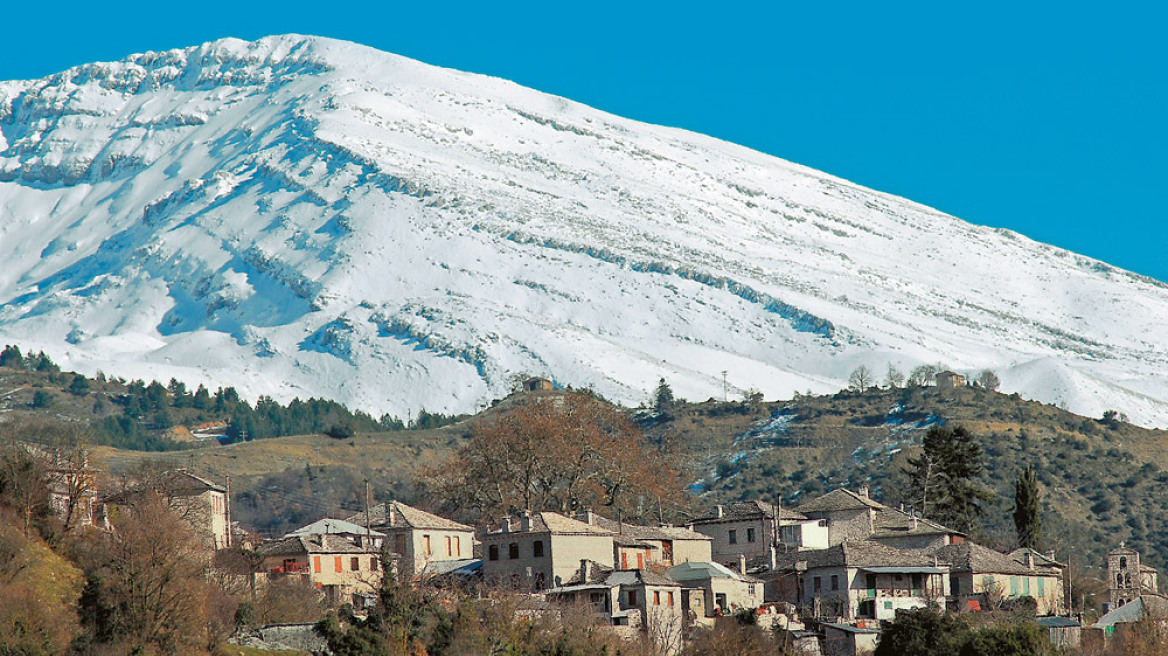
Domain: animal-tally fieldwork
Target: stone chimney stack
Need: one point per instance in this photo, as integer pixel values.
(506, 524)
(742, 564)
(526, 521)
(390, 513)
(585, 570)
(1029, 559)
(863, 491)
(718, 511)
(589, 517)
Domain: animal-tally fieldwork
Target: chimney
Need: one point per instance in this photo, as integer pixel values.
(1050, 554)
(526, 521)
(742, 564)
(719, 513)
(506, 524)
(391, 512)
(902, 507)
(912, 520)
(585, 570)
(774, 558)
(863, 491)
(589, 518)
(1029, 559)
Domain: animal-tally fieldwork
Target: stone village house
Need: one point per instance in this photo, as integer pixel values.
(422, 541)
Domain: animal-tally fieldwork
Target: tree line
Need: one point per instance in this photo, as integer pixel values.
(148, 409)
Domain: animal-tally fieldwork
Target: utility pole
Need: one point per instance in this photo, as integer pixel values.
(368, 535)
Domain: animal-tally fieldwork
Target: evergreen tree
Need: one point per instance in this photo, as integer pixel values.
(79, 386)
(1027, 519)
(663, 399)
(942, 478)
(12, 358)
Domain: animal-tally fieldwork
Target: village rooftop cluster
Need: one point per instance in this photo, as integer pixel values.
(829, 573)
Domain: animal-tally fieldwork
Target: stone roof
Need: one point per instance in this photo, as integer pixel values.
(1040, 559)
(638, 532)
(894, 523)
(405, 516)
(701, 571)
(550, 522)
(638, 576)
(855, 553)
(597, 573)
(313, 544)
(839, 499)
(745, 510)
(328, 525)
(1146, 605)
(972, 557)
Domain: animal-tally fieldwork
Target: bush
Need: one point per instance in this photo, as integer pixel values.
(340, 431)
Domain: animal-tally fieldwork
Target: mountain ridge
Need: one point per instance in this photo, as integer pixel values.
(302, 216)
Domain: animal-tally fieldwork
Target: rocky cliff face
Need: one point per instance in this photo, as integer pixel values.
(299, 216)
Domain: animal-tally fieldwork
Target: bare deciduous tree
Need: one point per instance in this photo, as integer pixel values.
(989, 380)
(893, 378)
(561, 453)
(861, 379)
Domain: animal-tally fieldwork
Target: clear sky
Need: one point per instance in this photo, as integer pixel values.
(1044, 118)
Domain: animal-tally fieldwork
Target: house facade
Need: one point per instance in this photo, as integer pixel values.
(536, 551)
(748, 528)
(669, 544)
(862, 579)
(344, 570)
(418, 538)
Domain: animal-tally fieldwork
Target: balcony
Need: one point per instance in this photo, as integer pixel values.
(290, 568)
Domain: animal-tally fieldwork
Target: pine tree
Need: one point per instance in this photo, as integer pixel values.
(1027, 519)
(663, 399)
(942, 478)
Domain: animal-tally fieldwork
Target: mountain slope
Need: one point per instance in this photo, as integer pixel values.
(302, 216)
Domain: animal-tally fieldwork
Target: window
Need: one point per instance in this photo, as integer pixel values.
(426, 545)
(355, 564)
(537, 549)
(669, 598)
(954, 584)
(513, 551)
(750, 535)
(449, 546)
(1026, 586)
(493, 552)
(632, 596)
(374, 564)
(835, 581)
(316, 564)
(817, 584)
(656, 597)
(337, 564)
(457, 547)
(624, 560)
(1041, 587)
(1123, 562)
(917, 581)
(640, 560)
(733, 537)
(750, 589)
(399, 543)
(871, 581)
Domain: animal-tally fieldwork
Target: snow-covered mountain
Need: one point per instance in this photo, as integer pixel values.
(299, 216)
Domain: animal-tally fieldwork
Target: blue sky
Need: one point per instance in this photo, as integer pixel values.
(1046, 119)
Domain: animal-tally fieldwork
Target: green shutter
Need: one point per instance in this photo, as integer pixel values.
(1041, 587)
